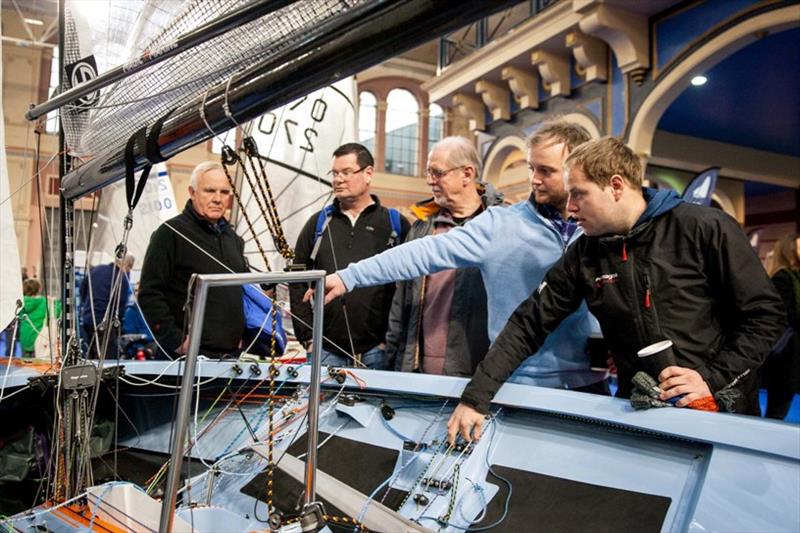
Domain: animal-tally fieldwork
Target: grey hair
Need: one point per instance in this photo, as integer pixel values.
(126, 262)
(201, 169)
(461, 153)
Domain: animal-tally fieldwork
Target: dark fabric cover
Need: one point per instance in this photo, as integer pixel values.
(561, 505)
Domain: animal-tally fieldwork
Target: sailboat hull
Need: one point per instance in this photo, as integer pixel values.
(564, 460)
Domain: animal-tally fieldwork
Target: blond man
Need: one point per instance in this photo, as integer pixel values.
(650, 268)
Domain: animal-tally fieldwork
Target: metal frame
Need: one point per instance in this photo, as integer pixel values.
(203, 282)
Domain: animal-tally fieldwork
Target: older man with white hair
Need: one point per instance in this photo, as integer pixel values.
(438, 322)
(197, 241)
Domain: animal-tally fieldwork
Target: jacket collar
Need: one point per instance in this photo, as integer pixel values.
(658, 204)
(374, 205)
(428, 208)
(219, 227)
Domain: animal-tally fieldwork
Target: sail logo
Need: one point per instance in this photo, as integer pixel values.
(80, 72)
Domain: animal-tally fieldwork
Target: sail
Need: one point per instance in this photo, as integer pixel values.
(701, 188)
(297, 142)
(10, 280)
(156, 205)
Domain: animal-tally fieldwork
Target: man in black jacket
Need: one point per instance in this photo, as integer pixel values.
(355, 227)
(650, 268)
(198, 241)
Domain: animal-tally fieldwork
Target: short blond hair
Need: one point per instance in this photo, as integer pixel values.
(201, 169)
(603, 158)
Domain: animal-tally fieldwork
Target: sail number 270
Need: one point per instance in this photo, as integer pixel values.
(269, 122)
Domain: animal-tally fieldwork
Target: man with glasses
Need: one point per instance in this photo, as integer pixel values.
(513, 248)
(438, 323)
(197, 241)
(356, 226)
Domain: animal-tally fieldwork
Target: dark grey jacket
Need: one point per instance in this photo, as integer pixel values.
(467, 338)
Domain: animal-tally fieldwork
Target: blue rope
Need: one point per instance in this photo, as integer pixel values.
(394, 431)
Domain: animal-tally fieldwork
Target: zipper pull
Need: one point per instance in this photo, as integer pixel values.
(647, 291)
(624, 252)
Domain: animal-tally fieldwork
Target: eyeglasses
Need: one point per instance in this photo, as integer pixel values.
(346, 173)
(439, 174)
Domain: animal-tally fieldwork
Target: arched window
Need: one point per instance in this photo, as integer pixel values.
(435, 124)
(367, 119)
(402, 132)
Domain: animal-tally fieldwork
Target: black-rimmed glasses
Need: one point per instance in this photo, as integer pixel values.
(346, 173)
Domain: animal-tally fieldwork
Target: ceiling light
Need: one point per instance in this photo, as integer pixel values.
(34, 22)
(697, 81)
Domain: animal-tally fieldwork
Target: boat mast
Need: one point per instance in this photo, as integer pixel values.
(65, 210)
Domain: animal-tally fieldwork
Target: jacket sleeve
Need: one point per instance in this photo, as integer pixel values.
(739, 281)
(157, 275)
(395, 329)
(302, 315)
(405, 226)
(558, 296)
(125, 296)
(460, 247)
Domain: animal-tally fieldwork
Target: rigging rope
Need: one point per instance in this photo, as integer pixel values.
(271, 216)
(227, 158)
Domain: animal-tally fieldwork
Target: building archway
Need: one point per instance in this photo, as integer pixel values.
(583, 120)
(505, 167)
(644, 124)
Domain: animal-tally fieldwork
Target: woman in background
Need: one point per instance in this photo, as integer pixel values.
(781, 371)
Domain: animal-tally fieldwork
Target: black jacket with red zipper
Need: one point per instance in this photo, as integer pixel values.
(684, 272)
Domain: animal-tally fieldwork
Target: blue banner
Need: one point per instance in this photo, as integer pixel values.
(701, 188)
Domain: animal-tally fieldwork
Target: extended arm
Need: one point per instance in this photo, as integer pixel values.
(557, 297)
(458, 248)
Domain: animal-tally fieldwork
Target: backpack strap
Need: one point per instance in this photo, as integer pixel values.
(323, 220)
(397, 227)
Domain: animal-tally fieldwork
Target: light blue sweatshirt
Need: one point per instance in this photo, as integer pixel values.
(513, 247)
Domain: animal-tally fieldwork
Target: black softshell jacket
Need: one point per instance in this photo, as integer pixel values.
(170, 262)
(688, 275)
(362, 315)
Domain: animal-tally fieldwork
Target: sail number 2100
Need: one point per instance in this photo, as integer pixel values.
(268, 123)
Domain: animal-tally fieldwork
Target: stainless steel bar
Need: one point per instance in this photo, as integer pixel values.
(184, 404)
(149, 58)
(313, 393)
(203, 282)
